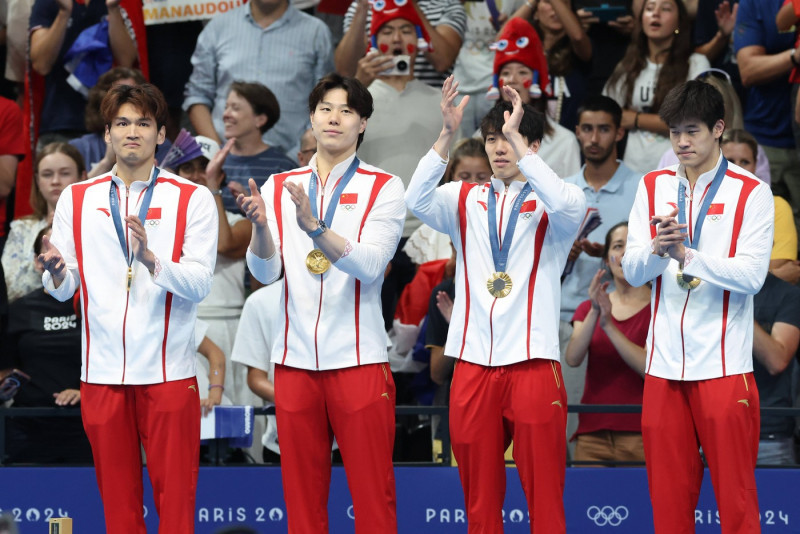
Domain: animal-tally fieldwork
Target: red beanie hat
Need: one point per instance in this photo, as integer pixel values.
(384, 11)
(520, 42)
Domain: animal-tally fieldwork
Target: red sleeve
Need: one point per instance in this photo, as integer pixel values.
(11, 138)
(582, 311)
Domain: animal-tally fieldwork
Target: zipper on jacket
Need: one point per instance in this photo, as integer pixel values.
(127, 293)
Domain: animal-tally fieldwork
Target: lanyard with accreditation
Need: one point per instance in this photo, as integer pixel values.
(113, 199)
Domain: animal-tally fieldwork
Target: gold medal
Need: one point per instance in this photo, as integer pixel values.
(499, 285)
(316, 262)
(686, 281)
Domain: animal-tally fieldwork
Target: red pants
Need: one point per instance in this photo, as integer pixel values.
(722, 416)
(165, 418)
(491, 406)
(357, 405)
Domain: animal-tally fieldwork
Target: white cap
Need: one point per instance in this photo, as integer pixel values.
(208, 146)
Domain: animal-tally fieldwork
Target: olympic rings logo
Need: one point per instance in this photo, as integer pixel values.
(152, 222)
(607, 515)
(714, 218)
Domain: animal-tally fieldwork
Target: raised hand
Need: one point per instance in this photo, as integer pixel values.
(305, 220)
(726, 17)
(452, 114)
(253, 206)
(214, 173)
(52, 261)
(371, 65)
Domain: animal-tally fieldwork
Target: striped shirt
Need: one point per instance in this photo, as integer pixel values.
(288, 56)
(438, 12)
(259, 167)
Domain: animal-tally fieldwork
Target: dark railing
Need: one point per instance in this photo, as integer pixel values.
(443, 458)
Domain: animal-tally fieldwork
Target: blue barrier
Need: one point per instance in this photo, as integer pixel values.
(429, 500)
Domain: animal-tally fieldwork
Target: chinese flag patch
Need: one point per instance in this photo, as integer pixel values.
(348, 198)
(153, 214)
(715, 209)
(528, 206)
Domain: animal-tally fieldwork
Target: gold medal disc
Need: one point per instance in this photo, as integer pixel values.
(686, 281)
(316, 262)
(499, 285)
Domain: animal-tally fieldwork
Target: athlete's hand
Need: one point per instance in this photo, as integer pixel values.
(305, 220)
(139, 243)
(669, 235)
(52, 261)
(253, 206)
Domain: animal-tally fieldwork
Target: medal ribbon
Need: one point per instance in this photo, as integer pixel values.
(701, 217)
(115, 213)
(312, 192)
(500, 255)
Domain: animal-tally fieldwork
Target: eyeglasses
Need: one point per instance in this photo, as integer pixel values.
(717, 73)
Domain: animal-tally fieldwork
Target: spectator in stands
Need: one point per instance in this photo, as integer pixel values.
(611, 329)
(610, 187)
(738, 147)
(699, 388)
(56, 166)
(221, 308)
(54, 27)
(96, 153)
(569, 54)
(766, 58)
(401, 123)
(12, 150)
(443, 21)
(523, 67)
(473, 67)
(265, 41)
(713, 37)
(776, 332)
(658, 58)
(468, 163)
(251, 111)
(44, 341)
(308, 147)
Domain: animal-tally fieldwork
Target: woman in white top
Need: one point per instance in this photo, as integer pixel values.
(56, 166)
(658, 58)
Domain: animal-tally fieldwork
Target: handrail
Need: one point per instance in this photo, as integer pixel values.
(440, 410)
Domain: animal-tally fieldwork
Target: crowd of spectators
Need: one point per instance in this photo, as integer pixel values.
(599, 71)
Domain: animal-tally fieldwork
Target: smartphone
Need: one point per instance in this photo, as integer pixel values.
(11, 384)
(607, 13)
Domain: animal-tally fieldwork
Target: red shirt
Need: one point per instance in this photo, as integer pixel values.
(609, 380)
(794, 76)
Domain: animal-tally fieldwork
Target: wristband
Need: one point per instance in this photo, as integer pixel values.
(220, 386)
(636, 121)
(216, 192)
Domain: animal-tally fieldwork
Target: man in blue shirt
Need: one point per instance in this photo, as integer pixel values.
(265, 41)
(765, 58)
(610, 187)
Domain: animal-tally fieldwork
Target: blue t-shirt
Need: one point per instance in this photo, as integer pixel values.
(63, 106)
(613, 202)
(768, 112)
(258, 167)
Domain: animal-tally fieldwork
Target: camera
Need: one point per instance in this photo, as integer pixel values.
(402, 66)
